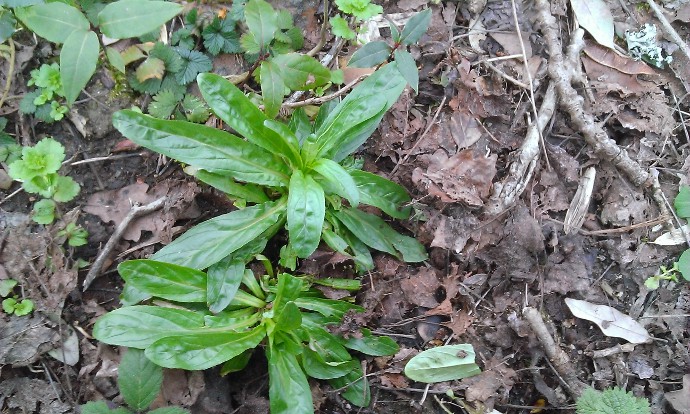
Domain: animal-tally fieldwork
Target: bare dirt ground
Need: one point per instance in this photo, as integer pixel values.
(491, 195)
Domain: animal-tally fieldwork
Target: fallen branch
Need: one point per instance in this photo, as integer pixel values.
(135, 212)
(556, 355)
(318, 100)
(563, 73)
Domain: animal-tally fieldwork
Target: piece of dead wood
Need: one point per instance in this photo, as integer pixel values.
(559, 359)
(563, 73)
(135, 212)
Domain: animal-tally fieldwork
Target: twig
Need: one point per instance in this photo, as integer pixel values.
(555, 354)
(322, 36)
(321, 99)
(421, 138)
(668, 29)
(17, 191)
(9, 74)
(506, 76)
(136, 211)
(326, 60)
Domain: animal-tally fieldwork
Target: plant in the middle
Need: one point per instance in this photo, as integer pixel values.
(298, 173)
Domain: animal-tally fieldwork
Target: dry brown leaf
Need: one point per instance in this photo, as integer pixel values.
(420, 288)
(608, 57)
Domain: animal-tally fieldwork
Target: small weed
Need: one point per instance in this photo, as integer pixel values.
(611, 401)
(12, 303)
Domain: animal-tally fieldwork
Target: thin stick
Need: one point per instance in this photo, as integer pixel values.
(9, 74)
(136, 211)
(421, 138)
(320, 100)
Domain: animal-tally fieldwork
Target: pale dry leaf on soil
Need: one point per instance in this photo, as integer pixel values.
(420, 288)
(496, 380)
(595, 17)
(680, 399)
(31, 395)
(611, 321)
(443, 363)
(24, 339)
(674, 237)
(511, 42)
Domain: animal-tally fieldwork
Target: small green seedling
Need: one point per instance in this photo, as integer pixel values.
(361, 10)
(11, 304)
(74, 234)
(46, 101)
(285, 313)
(611, 401)
(664, 274)
(296, 174)
(37, 171)
(139, 381)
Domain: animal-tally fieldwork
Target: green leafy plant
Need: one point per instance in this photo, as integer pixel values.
(46, 100)
(611, 401)
(12, 304)
(10, 151)
(377, 52)
(74, 234)
(682, 266)
(37, 170)
(297, 174)
(360, 10)
(139, 381)
(220, 316)
(70, 25)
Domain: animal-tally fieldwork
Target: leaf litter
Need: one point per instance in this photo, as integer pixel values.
(483, 269)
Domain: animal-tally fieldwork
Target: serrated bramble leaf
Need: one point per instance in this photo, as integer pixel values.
(193, 63)
(173, 61)
(416, 27)
(220, 36)
(249, 44)
(370, 55)
(163, 104)
(195, 109)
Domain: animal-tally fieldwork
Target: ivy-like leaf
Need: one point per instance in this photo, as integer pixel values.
(193, 63)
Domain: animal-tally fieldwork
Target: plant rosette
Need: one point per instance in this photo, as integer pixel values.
(296, 174)
(285, 315)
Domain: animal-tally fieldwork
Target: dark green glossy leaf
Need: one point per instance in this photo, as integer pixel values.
(377, 234)
(7, 25)
(408, 68)
(284, 133)
(78, 59)
(261, 20)
(139, 379)
(301, 72)
(131, 295)
(272, 88)
(237, 363)
(289, 318)
(355, 387)
(360, 251)
(372, 345)
(233, 320)
(443, 363)
(288, 289)
(395, 32)
(252, 193)
(203, 349)
(305, 213)
(203, 147)
(339, 179)
(682, 202)
(315, 366)
(350, 124)
(324, 112)
(326, 345)
(370, 55)
(165, 280)
(132, 18)
(224, 279)
(381, 193)
(684, 265)
(140, 326)
(53, 21)
(415, 27)
(289, 391)
(236, 110)
(212, 240)
(327, 307)
(300, 125)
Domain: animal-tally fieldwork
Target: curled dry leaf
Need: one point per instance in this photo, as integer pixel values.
(674, 237)
(611, 321)
(608, 57)
(577, 211)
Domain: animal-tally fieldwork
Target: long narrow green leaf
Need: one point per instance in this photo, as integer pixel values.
(306, 210)
(52, 21)
(379, 192)
(251, 193)
(327, 307)
(288, 391)
(224, 279)
(139, 326)
(370, 55)
(205, 148)
(165, 280)
(288, 289)
(236, 110)
(132, 18)
(272, 88)
(78, 59)
(212, 240)
(339, 179)
(408, 68)
(416, 27)
(202, 350)
(355, 387)
(371, 345)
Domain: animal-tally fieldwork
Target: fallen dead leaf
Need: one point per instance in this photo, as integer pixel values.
(608, 57)
(611, 321)
(420, 288)
(680, 399)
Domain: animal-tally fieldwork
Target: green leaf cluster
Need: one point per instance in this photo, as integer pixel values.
(74, 234)
(70, 25)
(222, 315)
(378, 52)
(293, 174)
(37, 170)
(361, 9)
(46, 101)
(611, 401)
(139, 381)
(18, 307)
